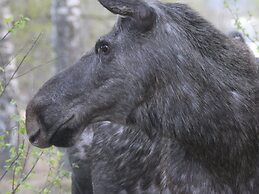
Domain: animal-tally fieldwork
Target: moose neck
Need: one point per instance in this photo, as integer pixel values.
(211, 137)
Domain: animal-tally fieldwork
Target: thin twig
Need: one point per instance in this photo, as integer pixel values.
(4, 37)
(13, 177)
(2, 60)
(14, 57)
(25, 160)
(12, 163)
(20, 64)
(46, 185)
(28, 174)
(18, 151)
(50, 186)
(24, 57)
(32, 69)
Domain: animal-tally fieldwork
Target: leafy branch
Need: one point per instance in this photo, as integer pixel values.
(13, 26)
(28, 174)
(9, 167)
(16, 165)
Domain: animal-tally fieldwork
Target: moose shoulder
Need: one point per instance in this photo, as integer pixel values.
(180, 89)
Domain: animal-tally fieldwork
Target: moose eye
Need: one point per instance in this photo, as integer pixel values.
(102, 47)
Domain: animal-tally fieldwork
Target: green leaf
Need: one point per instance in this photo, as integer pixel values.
(10, 29)
(22, 130)
(19, 24)
(8, 20)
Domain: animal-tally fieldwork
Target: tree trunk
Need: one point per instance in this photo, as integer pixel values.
(8, 88)
(66, 18)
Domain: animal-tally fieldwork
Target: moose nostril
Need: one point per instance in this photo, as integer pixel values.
(34, 136)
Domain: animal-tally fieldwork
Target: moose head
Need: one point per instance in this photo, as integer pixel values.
(162, 69)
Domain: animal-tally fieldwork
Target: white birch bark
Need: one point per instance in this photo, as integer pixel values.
(66, 18)
(9, 88)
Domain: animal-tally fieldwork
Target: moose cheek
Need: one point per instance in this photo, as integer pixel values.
(64, 137)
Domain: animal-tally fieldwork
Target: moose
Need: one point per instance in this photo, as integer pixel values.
(96, 140)
(167, 102)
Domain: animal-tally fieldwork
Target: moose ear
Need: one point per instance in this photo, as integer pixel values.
(138, 10)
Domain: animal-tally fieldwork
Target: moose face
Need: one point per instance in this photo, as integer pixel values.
(105, 84)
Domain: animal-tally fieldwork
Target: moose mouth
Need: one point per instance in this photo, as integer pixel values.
(61, 135)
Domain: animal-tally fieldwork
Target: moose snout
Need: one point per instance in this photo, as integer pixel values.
(34, 128)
